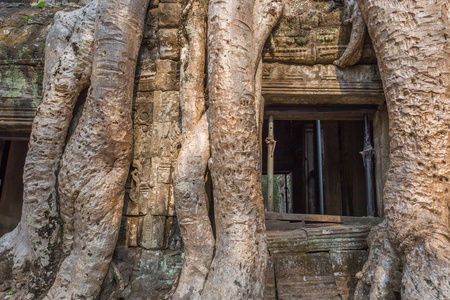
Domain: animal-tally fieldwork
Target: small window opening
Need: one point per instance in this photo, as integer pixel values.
(318, 160)
(13, 154)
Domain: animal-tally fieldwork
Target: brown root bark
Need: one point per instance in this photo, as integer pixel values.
(237, 270)
(192, 212)
(355, 47)
(413, 51)
(381, 275)
(74, 185)
(189, 176)
(36, 241)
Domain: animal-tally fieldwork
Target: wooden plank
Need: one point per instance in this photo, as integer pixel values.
(272, 225)
(332, 173)
(325, 112)
(322, 218)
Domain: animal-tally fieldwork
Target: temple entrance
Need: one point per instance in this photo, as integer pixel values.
(321, 173)
(13, 154)
(318, 165)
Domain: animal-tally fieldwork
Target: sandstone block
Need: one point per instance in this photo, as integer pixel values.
(137, 202)
(160, 199)
(173, 235)
(168, 44)
(152, 232)
(166, 75)
(308, 274)
(169, 15)
(151, 24)
(166, 107)
(132, 230)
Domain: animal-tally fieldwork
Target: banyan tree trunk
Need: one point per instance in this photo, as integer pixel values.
(410, 251)
(237, 30)
(74, 180)
(189, 175)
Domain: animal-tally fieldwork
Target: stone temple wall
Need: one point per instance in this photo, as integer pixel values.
(297, 70)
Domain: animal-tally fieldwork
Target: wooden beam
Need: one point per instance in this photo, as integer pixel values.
(322, 218)
(328, 112)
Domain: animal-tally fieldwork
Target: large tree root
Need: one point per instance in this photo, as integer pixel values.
(239, 262)
(381, 275)
(189, 176)
(355, 47)
(410, 40)
(74, 184)
(237, 31)
(192, 212)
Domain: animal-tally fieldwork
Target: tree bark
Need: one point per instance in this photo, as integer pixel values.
(237, 31)
(76, 167)
(355, 47)
(189, 175)
(74, 185)
(413, 51)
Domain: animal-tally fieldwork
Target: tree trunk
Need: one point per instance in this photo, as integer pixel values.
(237, 31)
(77, 166)
(413, 51)
(74, 184)
(189, 176)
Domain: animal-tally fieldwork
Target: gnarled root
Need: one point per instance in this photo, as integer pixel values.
(355, 47)
(189, 176)
(236, 37)
(381, 274)
(35, 245)
(74, 184)
(426, 261)
(416, 81)
(192, 212)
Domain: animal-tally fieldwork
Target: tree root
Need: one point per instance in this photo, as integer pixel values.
(74, 184)
(355, 47)
(189, 175)
(381, 274)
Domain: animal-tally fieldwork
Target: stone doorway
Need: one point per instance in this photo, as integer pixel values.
(308, 180)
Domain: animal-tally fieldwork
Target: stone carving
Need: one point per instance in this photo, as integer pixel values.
(312, 32)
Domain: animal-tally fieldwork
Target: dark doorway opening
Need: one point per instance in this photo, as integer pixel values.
(341, 180)
(13, 154)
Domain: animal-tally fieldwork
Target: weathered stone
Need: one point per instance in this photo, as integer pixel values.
(338, 237)
(146, 69)
(173, 235)
(312, 32)
(160, 268)
(137, 201)
(21, 65)
(171, 203)
(270, 284)
(305, 276)
(166, 75)
(139, 196)
(169, 15)
(321, 84)
(133, 226)
(151, 25)
(170, 139)
(160, 199)
(166, 130)
(345, 265)
(168, 44)
(152, 236)
(169, 1)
